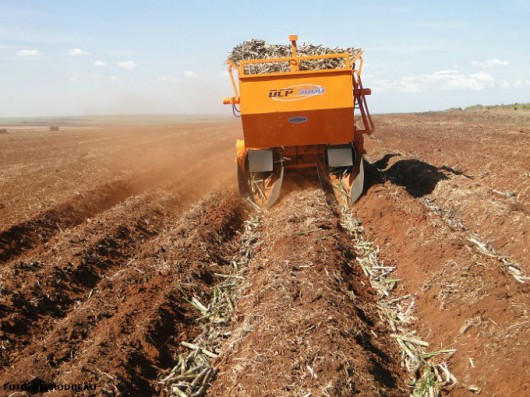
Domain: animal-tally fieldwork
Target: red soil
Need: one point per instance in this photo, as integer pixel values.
(101, 245)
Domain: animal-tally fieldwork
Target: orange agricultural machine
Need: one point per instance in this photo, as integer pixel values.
(300, 117)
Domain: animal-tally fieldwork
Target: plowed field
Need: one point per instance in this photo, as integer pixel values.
(130, 267)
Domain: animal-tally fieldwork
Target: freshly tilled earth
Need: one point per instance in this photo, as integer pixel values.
(106, 234)
(306, 322)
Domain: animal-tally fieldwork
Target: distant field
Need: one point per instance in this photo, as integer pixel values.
(161, 119)
(146, 119)
(512, 106)
(127, 262)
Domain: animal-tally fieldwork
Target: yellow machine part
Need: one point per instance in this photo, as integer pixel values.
(300, 108)
(297, 119)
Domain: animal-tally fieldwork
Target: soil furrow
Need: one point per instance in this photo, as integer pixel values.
(38, 230)
(131, 324)
(465, 201)
(472, 165)
(192, 182)
(47, 285)
(105, 270)
(465, 300)
(306, 322)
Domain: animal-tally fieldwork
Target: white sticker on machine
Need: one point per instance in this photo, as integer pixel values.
(296, 92)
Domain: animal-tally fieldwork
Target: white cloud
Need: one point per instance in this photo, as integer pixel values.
(78, 52)
(497, 62)
(445, 80)
(379, 85)
(99, 63)
(74, 79)
(491, 62)
(504, 84)
(410, 84)
(189, 74)
(27, 53)
(113, 78)
(166, 79)
(463, 83)
(519, 83)
(224, 75)
(127, 64)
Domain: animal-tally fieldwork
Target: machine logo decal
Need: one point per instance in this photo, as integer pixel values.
(297, 119)
(296, 92)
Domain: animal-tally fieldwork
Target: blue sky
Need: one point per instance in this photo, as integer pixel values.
(61, 57)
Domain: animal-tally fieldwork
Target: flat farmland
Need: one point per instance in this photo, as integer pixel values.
(129, 262)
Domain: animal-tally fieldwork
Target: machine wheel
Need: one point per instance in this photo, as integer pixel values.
(262, 188)
(348, 182)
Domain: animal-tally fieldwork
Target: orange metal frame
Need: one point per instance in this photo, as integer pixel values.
(301, 123)
(294, 68)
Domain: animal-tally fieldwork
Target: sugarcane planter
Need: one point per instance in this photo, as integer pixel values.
(298, 112)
